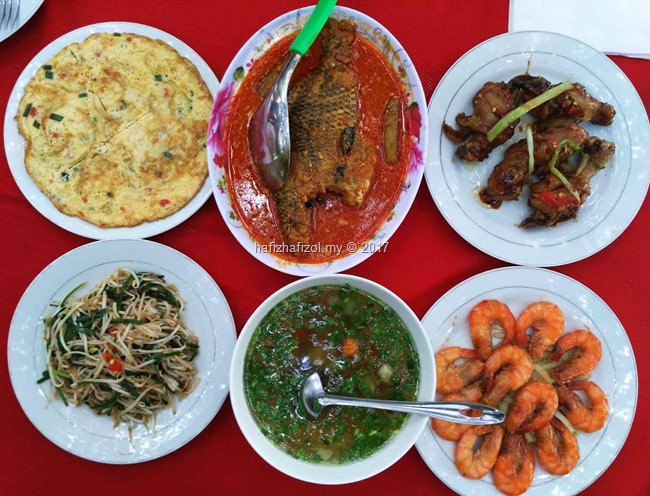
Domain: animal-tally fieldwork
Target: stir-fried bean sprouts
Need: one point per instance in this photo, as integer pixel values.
(122, 349)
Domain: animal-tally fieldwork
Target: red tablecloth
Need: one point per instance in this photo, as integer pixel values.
(425, 258)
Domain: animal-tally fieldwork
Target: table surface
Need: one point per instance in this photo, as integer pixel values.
(425, 257)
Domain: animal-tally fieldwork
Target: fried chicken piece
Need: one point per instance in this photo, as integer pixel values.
(552, 203)
(576, 104)
(327, 151)
(509, 176)
(492, 102)
(478, 148)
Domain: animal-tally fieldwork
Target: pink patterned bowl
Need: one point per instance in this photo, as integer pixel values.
(232, 80)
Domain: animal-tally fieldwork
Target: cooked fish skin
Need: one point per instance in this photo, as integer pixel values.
(328, 153)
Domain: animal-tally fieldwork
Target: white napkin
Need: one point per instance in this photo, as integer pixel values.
(616, 27)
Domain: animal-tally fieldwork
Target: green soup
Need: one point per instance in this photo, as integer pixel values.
(360, 346)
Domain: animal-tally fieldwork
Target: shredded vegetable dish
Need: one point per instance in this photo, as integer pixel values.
(122, 349)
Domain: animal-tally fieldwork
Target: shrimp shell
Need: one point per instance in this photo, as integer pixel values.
(536, 398)
(547, 322)
(481, 319)
(557, 448)
(584, 418)
(507, 369)
(515, 465)
(475, 464)
(452, 377)
(451, 430)
(585, 359)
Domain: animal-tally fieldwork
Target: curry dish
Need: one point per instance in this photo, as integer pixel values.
(115, 128)
(326, 153)
(350, 147)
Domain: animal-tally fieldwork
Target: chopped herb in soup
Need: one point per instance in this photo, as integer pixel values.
(360, 346)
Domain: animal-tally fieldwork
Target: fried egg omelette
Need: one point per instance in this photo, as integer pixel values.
(115, 129)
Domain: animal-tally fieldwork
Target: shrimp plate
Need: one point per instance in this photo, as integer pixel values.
(446, 324)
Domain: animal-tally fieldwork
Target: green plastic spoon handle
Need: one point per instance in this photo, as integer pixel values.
(313, 26)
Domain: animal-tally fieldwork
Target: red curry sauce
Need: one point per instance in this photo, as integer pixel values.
(333, 223)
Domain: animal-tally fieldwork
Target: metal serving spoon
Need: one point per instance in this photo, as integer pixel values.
(269, 126)
(314, 398)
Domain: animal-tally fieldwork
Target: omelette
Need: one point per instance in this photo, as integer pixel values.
(115, 129)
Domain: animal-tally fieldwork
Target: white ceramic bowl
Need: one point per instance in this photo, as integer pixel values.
(330, 473)
(252, 50)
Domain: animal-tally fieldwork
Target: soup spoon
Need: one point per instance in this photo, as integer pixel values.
(314, 399)
(269, 126)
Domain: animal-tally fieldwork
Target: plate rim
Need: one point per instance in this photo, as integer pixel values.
(22, 20)
(530, 255)
(510, 271)
(412, 180)
(221, 345)
(36, 198)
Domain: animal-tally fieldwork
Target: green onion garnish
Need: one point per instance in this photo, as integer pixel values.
(37, 124)
(46, 376)
(551, 165)
(28, 107)
(70, 294)
(515, 114)
(117, 34)
(47, 67)
(83, 95)
(56, 117)
(63, 398)
(158, 77)
(65, 177)
(583, 163)
(531, 150)
(167, 154)
(60, 373)
(49, 75)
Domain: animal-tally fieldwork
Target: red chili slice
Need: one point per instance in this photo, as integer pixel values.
(114, 364)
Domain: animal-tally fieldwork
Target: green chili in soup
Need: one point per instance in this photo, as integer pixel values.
(360, 346)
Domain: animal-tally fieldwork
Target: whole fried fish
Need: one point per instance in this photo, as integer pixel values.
(327, 151)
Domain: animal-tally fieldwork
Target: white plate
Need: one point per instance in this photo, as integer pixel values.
(78, 429)
(252, 50)
(446, 325)
(617, 192)
(15, 144)
(27, 9)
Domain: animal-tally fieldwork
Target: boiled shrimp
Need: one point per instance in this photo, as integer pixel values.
(474, 464)
(450, 430)
(557, 448)
(507, 369)
(585, 418)
(481, 319)
(515, 465)
(547, 322)
(586, 357)
(452, 377)
(533, 407)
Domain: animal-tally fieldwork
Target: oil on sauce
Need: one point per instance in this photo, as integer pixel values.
(333, 222)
